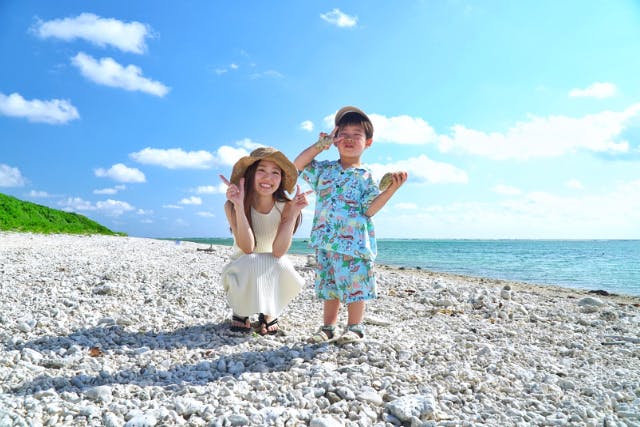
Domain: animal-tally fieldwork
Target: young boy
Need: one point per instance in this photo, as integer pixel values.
(343, 233)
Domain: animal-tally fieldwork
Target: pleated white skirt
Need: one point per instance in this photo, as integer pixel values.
(260, 283)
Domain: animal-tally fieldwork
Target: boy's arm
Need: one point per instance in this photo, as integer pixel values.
(378, 203)
(311, 152)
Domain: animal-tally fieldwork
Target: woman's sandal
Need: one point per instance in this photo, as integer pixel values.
(238, 328)
(326, 333)
(262, 321)
(353, 333)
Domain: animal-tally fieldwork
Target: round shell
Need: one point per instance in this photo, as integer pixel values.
(386, 181)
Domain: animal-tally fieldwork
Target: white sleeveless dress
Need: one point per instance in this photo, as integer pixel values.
(259, 282)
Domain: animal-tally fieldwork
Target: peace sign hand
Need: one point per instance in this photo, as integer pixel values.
(300, 201)
(235, 193)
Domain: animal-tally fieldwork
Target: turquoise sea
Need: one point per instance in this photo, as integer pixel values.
(610, 265)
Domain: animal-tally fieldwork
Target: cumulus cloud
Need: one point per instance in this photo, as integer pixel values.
(121, 173)
(107, 207)
(574, 184)
(110, 191)
(507, 190)
(340, 19)
(128, 37)
(172, 207)
(402, 129)
(206, 214)
(422, 169)
(211, 189)
(193, 200)
(614, 213)
(55, 111)
(174, 158)
(38, 194)
(596, 90)
(11, 177)
(307, 125)
(227, 155)
(110, 73)
(551, 136)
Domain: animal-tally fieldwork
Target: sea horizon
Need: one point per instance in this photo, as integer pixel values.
(611, 265)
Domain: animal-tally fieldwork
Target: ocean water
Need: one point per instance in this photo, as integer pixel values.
(610, 265)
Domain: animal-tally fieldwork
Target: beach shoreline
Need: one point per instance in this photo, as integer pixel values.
(124, 330)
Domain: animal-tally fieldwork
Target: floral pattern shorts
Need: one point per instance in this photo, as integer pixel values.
(344, 277)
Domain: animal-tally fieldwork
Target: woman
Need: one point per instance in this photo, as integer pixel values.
(260, 278)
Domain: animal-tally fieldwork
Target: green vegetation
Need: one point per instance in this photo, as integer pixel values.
(18, 215)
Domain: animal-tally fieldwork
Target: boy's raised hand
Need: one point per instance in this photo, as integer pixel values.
(235, 193)
(326, 140)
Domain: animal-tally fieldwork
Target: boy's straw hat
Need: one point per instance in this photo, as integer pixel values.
(289, 171)
(351, 109)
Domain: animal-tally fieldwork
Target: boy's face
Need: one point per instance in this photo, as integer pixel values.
(351, 140)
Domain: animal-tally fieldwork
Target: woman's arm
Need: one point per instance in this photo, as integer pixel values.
(290, 214)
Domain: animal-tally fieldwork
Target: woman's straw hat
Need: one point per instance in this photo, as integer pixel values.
(289, 171)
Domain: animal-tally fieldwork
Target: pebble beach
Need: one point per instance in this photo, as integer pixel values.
(124, 331)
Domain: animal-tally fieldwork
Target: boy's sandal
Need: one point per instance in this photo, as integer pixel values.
(238, 328)
(353, 333)
(266, 325)
(324, 334)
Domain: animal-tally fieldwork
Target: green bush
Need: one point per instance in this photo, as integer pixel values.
(18, 215)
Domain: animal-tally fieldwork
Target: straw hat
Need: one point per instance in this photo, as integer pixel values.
(289, 171)
(350, 109)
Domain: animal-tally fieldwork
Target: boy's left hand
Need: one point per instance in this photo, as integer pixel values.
(397, 179)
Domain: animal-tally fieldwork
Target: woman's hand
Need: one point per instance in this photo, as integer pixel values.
(299, 201)
(235, 193)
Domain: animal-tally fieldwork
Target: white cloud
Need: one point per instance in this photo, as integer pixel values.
(269, 73)
(507, 190)
(193, 200)
(228, 156)
(405, 206)
(172, 207)
(55, 111)
(109, 191)
(307, 125)
(401, 129)
(121, 173)
(550, 136)
(107, 207)
(144, 212)
(610, 215)
(76, 204)
(174, 158)
(574, 184)
(340, 19)
(596, 90)
(422, 169)
(11, 177)
(128, 37)
(205, 214)
(109, 73)
(211, 189)
(38, 194)
(113, 207)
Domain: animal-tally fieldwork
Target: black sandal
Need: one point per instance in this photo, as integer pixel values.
(243, 320)
(263, 321)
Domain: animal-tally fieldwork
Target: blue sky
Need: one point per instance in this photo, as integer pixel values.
(514, 119)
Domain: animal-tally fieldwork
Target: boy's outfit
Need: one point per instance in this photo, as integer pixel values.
(343, 236)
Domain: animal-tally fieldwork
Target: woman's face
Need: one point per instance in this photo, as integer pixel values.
(268, 177)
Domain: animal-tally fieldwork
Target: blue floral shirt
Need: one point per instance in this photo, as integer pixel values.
(342, 198)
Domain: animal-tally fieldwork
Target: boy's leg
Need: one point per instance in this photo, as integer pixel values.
(331, 310)
(356, 312)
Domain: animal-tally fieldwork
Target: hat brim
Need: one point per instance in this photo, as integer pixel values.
(350, 109)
